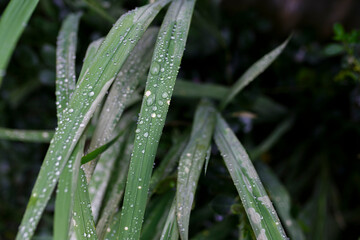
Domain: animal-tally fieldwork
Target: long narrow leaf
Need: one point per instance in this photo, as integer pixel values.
(255, 70)
(191, 164)
(259, 209)
(65, 86)
(170, 230)
(12, 23)
(121, 91)
(196, 90)
(88, 94)
(26, 135)
(160, 83)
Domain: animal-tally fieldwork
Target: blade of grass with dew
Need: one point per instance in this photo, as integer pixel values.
(279, 131)
(164, 68)
(106, 164)
(112, 230)
(89, 57)
(170, 230)
(155, 220)
(65, 195)
(255, 70)
(281, 199)
(259, 209)
(116, 191)
(196, 90)
(43, 136)
(97, 79)
(168, 163)
(12, 23)
(191, 164)
(65, 86)
(123, 87)
(83, 221)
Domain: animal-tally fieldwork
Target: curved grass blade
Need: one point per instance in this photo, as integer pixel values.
(170, 230)
(83, 221)
(255, 70)
(281, 199)
(12, 23)
(259, 209)
(160, 83)
(196, 90)
(191, 164)
(65, 86)
(88, 94)
(43, 136)
(155, 220)
(121, 91)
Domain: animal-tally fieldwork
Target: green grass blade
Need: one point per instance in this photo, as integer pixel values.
(121, 92)
(155, 220)
(170, 230)
(83, 221)
(116, 190)
(89, 56)
(43, 136)
(255, 70)
(168, 163)
(86, 97)
(281, 199)
(65, 86)
(191, 164)
(113, 229)
(259, 209)
(160, 83)
(66, 193)
(12, 23)
(65, 62)
(196, 90)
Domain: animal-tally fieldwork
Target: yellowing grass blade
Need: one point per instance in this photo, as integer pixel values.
(255, 70)
(96, 80)
(12, 23)
(259, 209)
(159, 87)
(191, 164)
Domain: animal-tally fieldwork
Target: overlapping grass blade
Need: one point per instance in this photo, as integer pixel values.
(255, 70)
(65, 196)
(89, 56)
(281, 199)
(259, 209)
(113, 229)
(26, 135)
(170, 230)
(117, 188)
(121, 91)
(88, 94)
(168, 163)
(160, 83)
(83, 221)
(65, 86)
(12, 23)
(191, 164)
(155, 220)
(196, 90)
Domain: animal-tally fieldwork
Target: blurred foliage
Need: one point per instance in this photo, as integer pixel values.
(317, 159)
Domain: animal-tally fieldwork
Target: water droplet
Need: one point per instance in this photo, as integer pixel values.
(155, 68)
(164, 95)
(91, 94)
